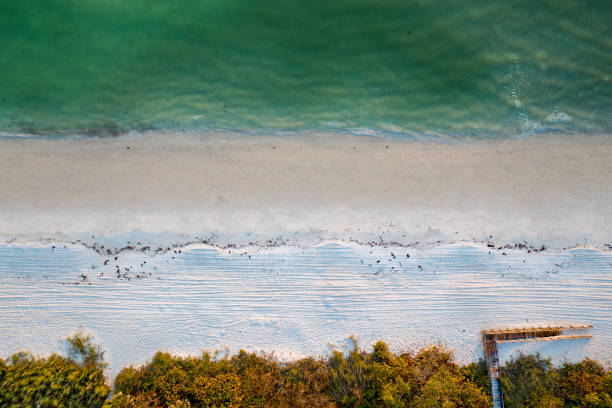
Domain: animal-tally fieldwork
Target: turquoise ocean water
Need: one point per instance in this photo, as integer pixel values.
(482, 68)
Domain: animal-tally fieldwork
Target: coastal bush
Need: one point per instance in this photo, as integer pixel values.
(446, 389)
(356, 378)
(528, 381)
(55, 381)
(121, 400)
(244, 380)
(478, 373)
(532, 381)
(383, 379)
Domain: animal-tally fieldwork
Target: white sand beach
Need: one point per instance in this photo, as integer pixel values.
(299, 191)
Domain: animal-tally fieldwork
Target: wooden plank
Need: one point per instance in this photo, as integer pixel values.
(534, 329)
(550, 338)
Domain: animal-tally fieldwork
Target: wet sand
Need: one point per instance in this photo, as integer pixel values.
(554, 190)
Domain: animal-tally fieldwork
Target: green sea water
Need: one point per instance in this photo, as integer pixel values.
(484, 68)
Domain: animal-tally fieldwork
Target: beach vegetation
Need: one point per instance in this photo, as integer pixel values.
(56, 381)
(355, 378)
(531, 381)
(348, 378)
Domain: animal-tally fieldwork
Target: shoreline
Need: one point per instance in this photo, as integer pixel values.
(258, 247)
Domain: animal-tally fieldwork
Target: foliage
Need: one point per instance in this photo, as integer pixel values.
(352, 379)
(532, 382)
(447, 390)
(83, 350)
(356, 379)
(244, 380)
(56, 381)
(478, 373)
(121, 400)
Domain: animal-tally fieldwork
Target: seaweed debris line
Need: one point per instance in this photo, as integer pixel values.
(490, 339)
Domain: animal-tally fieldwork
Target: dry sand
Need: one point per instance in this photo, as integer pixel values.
(295, 302)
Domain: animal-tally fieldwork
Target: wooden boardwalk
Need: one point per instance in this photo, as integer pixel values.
(496, 392)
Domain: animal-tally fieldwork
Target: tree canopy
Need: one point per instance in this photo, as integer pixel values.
(532, 382)
(355, 379)
(76, 381)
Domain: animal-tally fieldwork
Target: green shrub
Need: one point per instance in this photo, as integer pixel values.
(357, 378)
(527, 380)
(478, 374)
(383, 379)
(121, 400)
(56, 381)
(532, 382)
(447, 389)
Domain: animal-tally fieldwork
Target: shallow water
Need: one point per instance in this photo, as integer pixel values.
(406, 68)
(296, 301)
